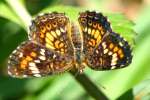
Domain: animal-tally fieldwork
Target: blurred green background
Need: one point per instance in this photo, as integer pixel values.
(130, 18)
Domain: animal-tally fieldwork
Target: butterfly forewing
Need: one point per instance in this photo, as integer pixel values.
(52, 30)
(93, 27)
(31, 59)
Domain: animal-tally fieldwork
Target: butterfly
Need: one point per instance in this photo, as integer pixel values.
(57, 45)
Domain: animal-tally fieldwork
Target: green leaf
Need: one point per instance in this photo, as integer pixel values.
(8, 13)
(142, 90)
(10, 37)
(63, 87)
(121, 25)
(8, 87)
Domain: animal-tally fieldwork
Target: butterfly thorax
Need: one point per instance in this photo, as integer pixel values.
(76, 38)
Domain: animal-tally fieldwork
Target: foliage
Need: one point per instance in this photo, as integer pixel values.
(113, 83)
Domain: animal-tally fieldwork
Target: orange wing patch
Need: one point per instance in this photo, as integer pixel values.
(52, 31)
(24, 62)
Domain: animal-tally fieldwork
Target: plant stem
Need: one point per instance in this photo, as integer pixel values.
(89, 86)
(21, 12)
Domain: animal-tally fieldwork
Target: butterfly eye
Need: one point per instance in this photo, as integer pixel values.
(54, 24)
(48, 26)
(90, 22)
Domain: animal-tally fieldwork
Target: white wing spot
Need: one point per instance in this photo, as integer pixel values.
(32, 64)
(9, 73)
(33, 68)
(113, 63)
(25, 75)
(37, 61)
(42, 57)
(85, 30)
(54, 56)
(114, 59)
(35, 72)
(89, 31)
(20, 55)
(42, 52)
(114, 55)
(113, 67)
(37, 75)
(104, 45)
(110, 53)
(105, 51)
(14, 51)
(120, 44)
(97, 51)
(58, 32)
(62, 30)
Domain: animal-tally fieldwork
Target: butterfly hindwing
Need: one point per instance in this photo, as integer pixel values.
(114, 52)
(31, 59)
(93, 27)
